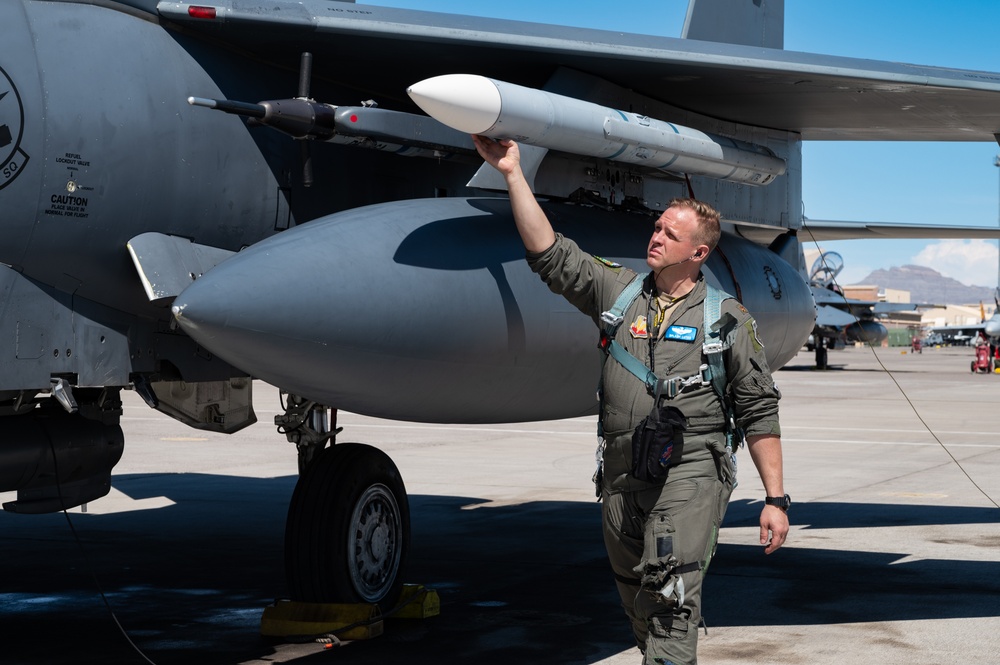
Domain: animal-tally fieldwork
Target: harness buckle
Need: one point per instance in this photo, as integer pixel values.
(609, 318)
(673, 385)
(669, 388)
(706, 374)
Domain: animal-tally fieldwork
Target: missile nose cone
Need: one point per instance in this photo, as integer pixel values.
(464, 102)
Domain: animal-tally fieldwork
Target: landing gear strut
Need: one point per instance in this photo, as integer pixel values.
(821, 351)
(348, 528)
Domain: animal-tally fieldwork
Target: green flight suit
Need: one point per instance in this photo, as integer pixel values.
(661, 534)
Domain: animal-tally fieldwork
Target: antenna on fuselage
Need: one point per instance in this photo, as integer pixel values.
(300, 117)
(305, 78)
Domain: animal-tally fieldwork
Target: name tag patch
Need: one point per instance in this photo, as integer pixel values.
(681, 333)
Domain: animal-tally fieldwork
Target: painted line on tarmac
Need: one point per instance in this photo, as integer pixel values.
(862, 442)
(888, 431)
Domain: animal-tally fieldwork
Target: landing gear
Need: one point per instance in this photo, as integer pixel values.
(348, 529)
(821, 351)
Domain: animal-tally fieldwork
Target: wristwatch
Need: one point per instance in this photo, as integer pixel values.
(782, 502)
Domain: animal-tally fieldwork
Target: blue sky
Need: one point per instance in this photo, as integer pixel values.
(925, 183)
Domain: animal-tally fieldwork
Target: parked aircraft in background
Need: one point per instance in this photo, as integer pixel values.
(157, 244)
(841, 320)
(987, 329)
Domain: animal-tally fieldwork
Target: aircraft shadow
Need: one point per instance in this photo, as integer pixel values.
(848, 582)
(525, 583)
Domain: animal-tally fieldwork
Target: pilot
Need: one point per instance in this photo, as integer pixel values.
(661, 532)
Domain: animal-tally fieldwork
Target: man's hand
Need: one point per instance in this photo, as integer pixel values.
(773, 528)
(534, 227)
(765, 450)
(502, 154)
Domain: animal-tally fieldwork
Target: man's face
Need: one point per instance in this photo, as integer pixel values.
(673, 238)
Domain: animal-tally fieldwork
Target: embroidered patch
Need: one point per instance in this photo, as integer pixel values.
(751, 327)
(681, 333)
(638, 328)
(609, 264)
(742, 308)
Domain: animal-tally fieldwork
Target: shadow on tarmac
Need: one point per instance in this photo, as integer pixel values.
(524, 583)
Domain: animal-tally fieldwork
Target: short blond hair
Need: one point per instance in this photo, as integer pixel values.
(709, 231)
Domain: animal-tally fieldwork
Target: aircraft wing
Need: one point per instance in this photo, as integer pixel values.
(832, 305)
(829, 316)
(840, 230)
(958, 327)
(880, 308)
(814, 230)
(817, 96)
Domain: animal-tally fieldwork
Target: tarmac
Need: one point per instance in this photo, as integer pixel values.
(891, 458)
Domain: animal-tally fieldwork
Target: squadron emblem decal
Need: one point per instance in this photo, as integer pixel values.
(12, 158)
(772, 282)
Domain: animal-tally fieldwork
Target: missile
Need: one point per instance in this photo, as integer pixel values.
(481, 105)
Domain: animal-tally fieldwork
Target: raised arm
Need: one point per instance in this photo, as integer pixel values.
(534, 227)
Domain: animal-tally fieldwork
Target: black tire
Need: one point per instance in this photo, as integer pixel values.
(348, 531)
(821, 356)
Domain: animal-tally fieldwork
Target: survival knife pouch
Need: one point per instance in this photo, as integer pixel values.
(654, 442)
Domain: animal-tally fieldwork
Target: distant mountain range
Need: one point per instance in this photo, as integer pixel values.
(929, 286)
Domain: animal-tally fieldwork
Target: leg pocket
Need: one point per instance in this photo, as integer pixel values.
(664, 551)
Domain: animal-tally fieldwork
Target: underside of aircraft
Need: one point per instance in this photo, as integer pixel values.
(243, 190)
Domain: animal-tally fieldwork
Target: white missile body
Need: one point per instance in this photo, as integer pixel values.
(481, 105)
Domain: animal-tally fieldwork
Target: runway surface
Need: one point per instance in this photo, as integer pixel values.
(892, 461)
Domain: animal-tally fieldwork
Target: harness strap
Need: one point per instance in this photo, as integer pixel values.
(610, 322)
(633, 364)
(713, 345)
(713, 372)
(687, 568)
(611, 319)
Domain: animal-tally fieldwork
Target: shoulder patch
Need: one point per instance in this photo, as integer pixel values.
(739, 306)
(751, 327)
(608, 264)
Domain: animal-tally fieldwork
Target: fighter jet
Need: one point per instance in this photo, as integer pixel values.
(197, 194)
(841, 320)
(986, 330)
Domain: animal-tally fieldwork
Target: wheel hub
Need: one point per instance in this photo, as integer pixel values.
(374, 551)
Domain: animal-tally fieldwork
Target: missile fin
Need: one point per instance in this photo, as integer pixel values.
(488, 177)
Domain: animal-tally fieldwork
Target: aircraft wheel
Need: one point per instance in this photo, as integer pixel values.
(348, 529)
(821, 357)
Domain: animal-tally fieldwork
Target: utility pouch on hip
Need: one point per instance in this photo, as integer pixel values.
(658, 437)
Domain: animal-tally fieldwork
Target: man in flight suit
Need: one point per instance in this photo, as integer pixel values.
(660, 533)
